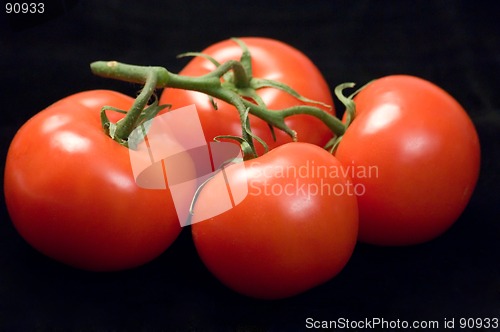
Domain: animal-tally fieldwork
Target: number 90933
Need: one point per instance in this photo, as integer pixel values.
(24, 8)
(478, 323)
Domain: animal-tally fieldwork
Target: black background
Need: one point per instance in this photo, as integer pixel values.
(454, 44)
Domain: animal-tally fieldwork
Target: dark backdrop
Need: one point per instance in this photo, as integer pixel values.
(452, 43)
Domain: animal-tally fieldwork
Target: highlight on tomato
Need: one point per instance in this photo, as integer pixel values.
(424, 154)
(296, 228)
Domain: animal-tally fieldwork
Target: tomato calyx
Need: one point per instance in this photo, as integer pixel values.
(247, 149)
(350, 111)
(242, 81)
(231, 82)
(135, 117)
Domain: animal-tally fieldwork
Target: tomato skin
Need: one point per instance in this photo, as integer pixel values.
(271, 59)
(427, 153)
(276, 245)
(71, 194)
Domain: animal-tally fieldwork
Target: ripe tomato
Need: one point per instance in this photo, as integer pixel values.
(272, 60)
(295, 229)
(71, 193)
(423, 153)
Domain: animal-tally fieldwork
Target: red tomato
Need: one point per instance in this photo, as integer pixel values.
(296, 228)
(273, 60)
(416, 154)
(71, 193)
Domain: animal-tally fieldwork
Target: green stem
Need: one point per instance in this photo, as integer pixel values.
(241, 78)
(209, 84)
(129, 73)
(347, 101)
(350, 111)
(125, 126)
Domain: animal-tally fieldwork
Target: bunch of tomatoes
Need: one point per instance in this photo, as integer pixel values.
(401, 173)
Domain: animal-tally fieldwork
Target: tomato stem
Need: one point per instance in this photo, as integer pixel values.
(350, 110)
(211, 84)
(125, 126)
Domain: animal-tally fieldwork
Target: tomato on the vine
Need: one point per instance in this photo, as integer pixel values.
(271, 59)
(295, 229)
(71, 194)
(416, 153)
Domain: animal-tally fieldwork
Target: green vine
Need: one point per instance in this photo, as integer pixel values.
(231, 81)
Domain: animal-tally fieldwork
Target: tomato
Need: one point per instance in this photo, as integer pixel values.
(416, 153)
(71, 194)
(273, 60)
(295, 229)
